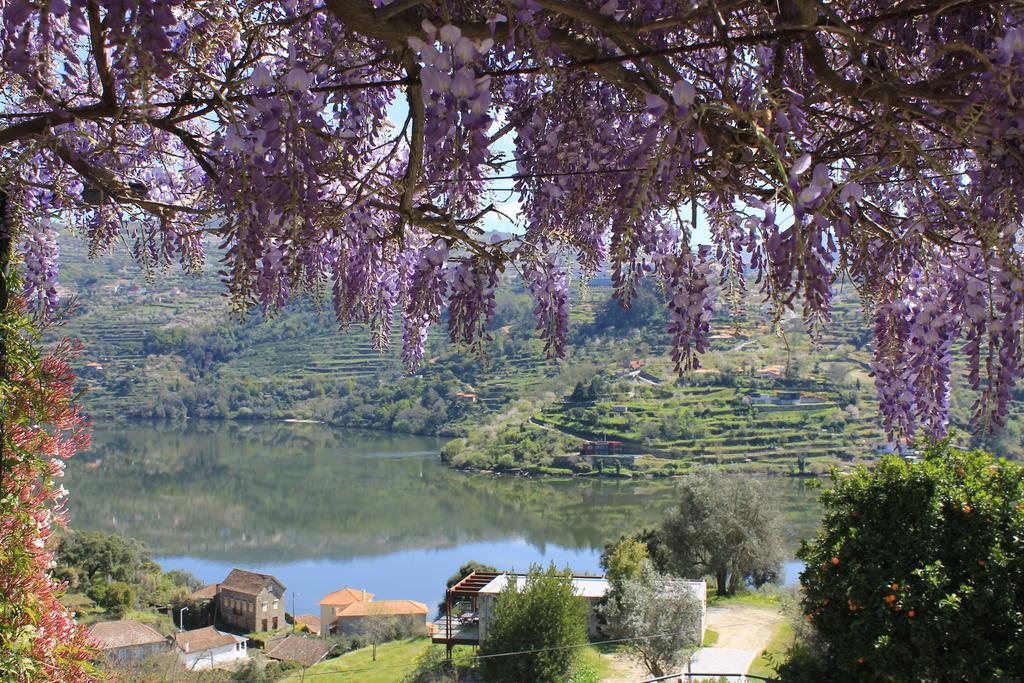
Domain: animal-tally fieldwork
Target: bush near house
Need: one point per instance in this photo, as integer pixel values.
(544, 620)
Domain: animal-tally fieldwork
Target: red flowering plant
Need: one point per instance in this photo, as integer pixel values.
(40, 428)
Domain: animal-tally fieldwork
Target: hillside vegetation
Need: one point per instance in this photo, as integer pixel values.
(165, 345)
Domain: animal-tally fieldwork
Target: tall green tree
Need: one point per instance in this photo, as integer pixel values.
(95, 557)
(543, 621)
(917, 572)
(624, 560)
(116, 597)
(726, 527)
(654, 604)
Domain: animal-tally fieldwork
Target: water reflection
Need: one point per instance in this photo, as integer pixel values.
(285, 495)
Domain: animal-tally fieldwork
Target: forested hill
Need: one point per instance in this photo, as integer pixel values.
(167, 346)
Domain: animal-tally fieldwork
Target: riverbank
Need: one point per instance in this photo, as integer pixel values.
(627, 474)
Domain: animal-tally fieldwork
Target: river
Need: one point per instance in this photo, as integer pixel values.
(323, 508)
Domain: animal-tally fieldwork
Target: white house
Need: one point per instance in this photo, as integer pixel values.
(207, 648)
(592, 589)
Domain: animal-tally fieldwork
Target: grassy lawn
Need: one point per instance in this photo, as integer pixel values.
(710, 638)
(394, 660)
(781, 640)
(592, 661)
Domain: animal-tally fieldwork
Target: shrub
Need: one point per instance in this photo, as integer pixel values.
(542, 618)
(917, 571)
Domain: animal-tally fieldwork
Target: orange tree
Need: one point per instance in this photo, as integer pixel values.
(917, 572)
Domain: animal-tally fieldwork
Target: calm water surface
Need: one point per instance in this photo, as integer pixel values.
(323, 508)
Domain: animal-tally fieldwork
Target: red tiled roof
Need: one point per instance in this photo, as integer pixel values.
(390, 608)
(346, 596)
(201, 639)
(112, 634)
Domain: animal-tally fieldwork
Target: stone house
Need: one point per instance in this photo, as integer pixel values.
(126, 640)
(246, 600)
(208, 648)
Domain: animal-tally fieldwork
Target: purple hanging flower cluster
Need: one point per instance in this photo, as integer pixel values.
(547, 279)
(272, 184)
(471, 304)
(912, 371)
(41, 254)
(896, 402)
(993, 316)
(426, 286)
(457, 114)
(688, 280)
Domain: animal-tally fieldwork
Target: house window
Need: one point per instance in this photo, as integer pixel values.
(275, 604)
(264, 606)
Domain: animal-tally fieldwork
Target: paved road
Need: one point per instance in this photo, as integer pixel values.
(721, 660)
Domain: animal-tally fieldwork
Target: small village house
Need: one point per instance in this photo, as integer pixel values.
(332, 604)
(305, 651)
(246, 600)
(126, 640)
(771, 372)
(348, 612)
(208, 648)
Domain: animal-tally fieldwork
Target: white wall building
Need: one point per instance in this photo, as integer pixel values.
(592, 589)
(208, 648)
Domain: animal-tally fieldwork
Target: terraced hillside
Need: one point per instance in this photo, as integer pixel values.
(167, 345)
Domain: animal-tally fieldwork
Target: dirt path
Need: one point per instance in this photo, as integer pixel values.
(741, 627)
(624, 670)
